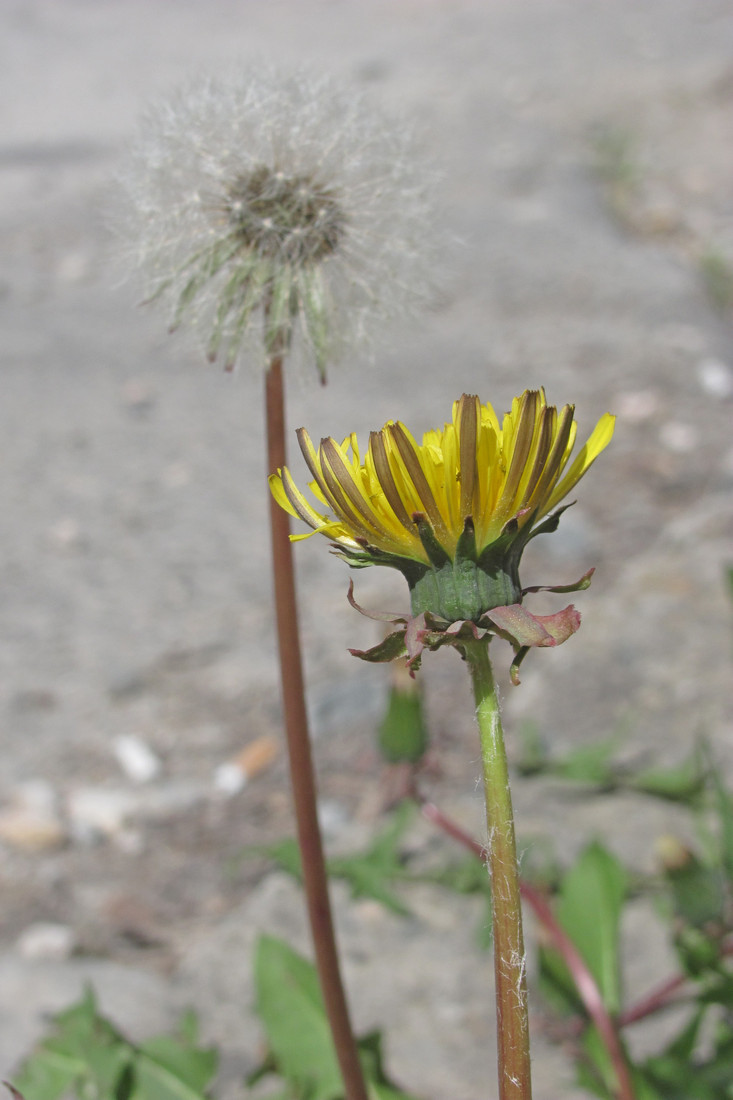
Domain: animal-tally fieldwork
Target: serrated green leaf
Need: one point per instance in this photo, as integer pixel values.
(591, 764)
(285, 853)
(684, 782)
(290, 1006)
(467, 876)
(83, 1046)
(367, 873)
(86, 1056)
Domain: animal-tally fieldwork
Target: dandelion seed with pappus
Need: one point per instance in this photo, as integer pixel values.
(281, 217)
(283, 207)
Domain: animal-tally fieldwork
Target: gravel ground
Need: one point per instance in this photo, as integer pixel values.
(587, 161)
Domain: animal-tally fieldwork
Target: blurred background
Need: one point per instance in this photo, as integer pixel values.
(586, 156)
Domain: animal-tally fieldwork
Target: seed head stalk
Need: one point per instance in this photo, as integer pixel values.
(506, 911)
(299, 753)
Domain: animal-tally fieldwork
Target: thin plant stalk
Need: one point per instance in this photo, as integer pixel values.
(583, 979)
(299, 753)
(512, 1018)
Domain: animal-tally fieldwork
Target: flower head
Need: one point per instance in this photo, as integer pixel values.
(454, 512)
(281, 202)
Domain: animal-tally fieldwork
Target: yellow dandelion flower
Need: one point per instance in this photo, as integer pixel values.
(454, 512)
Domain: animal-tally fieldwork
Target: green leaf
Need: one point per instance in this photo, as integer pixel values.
(285, 853)
(367, 872)
(589, 908)
(534, 758)
(467, 876)
(290, 1005)
(724, 807)
(684, 782)
(166, 1068)
(590, 764)
(594, 1068)
(698, 891)
(387, 1092)
(87, 1057)
(379, 1086)
(83, 1047)
(48, 1074)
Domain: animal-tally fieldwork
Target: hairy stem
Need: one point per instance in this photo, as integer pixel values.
(299, 752)
(585, 983)
(509, 959)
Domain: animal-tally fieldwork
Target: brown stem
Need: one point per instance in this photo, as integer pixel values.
(585, 983)
(299, 752)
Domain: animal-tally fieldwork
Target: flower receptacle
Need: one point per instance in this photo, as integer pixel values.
(462, 589)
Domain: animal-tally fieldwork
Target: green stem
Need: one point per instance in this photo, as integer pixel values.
(509, 959)
(299, 752)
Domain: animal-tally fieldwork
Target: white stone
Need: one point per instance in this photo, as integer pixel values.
(46, 940)
(679, 438)
(99, 811)
(636, 405)
(715, 377)
(229, 779)
(136, 758)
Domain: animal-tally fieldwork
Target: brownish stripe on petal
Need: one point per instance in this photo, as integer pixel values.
(468, 418)
(551, 471)
(294, 496)
(386, 480)
(309, 454)
(329, 486)
(548, 417)
(522, 446)
(417, 476)
(339, 478)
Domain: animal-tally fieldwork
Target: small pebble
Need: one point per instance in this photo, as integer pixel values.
(138, 395)
(229, 779)
(332, 816)
(65, 534)
(30, 832)
(136, 758)
(46, 940)
(98, 812)
(681, 439)
(31, 823)
(715, 377)
(636, 406)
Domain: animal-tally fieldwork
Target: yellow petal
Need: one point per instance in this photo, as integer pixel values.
(599, 439)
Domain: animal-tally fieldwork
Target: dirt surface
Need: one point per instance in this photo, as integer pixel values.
(587, 162)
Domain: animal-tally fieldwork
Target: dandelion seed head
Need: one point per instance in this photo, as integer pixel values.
(287, 198)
